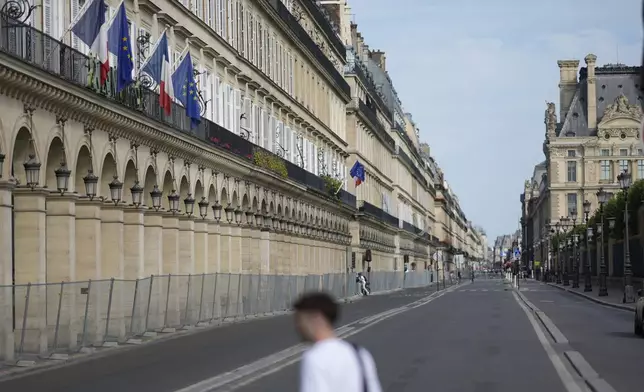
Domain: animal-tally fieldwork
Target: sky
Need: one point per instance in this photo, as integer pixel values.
(476, 75)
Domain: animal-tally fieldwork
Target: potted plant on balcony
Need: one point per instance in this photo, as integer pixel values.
(268, 161)
(332, 186)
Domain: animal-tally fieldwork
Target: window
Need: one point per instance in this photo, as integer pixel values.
(640, 151)
(252, 49)
(605, 152)
(220, 10)
(262, 42)
(623, 152)
(572, 171)
(604, 171)
(230, 17)
(242, 32)
(640, 169)
(623, 165)
(571, 153)
(210, 14)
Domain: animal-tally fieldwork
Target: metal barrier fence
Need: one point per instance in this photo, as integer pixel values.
(54, 319)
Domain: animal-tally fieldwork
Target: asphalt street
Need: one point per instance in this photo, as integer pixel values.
(172, 364)
(476, 338)
(603, 335)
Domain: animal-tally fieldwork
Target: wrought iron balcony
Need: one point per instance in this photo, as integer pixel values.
(307, 41)
(37, 49)
(322, 20)
(370, 209)
(361, 72)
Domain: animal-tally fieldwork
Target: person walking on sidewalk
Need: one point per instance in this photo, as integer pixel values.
(330, 364)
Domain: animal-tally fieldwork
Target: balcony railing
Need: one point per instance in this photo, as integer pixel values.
(54, 57)
(378, 127)
(304, 37)
(416, 173)
(325, 24)
(376, 212)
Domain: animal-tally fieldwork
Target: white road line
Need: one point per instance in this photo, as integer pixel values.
(254, 371)
(566, 378)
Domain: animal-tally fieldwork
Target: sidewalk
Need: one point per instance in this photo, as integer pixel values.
(614, 298)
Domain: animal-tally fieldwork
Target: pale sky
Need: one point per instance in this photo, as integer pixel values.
(476, 74)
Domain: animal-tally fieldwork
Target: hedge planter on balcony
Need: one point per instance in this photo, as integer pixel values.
(270, 162)
(332, 186)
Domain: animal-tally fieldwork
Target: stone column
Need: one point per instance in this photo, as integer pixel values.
(186, 245)
(153, 243)
(255, 250)
(6, 271)
(236, 249)
(134, 242)
(265, 251)
(214, 247)
(88, 239)
(61, 267)
(112, 228)
(30, 244)
(202, 246)
(225, 248)
(170, 284)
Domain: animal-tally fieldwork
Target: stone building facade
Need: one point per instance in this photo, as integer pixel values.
(594, 137)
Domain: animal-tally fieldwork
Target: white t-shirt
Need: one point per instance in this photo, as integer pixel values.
(332, 365)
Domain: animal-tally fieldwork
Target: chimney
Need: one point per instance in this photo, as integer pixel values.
(567, 85)
(591, 59)
(379, 57)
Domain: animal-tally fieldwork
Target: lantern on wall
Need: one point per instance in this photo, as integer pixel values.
(203, 207)
(156, 195)
(91, 184)
(189, 204)
(116, 190)
(32, 171)
(137, 194)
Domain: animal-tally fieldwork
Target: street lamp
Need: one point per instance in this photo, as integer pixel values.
(62, 177)
(573, 257)
(155, 195)
(189, 204)
(567, 257)
(588, 286)
(116, 190)
(173, 201)
(229, 214)
(91, 184)
(602, 198)
(203, 207)
(250, 215)
(137, 193)
(2, 157)
(32, 171)
(629, 295)
(238, 215)
(216, 211)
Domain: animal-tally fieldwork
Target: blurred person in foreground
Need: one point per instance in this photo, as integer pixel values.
(330, 364)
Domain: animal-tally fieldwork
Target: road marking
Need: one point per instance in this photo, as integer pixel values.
(566, 378)
(254, 371)
(546, 301)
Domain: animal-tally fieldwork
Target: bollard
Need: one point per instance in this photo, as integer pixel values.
(109, 311)
(147, 311)
(57, 328)
(203, 283)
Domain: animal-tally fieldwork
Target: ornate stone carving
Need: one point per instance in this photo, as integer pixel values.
(550, 119)
(622, 108)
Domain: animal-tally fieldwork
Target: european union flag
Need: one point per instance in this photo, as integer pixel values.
(185, 89)
(119, 43)
(357, 172)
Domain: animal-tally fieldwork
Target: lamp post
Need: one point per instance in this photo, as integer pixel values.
(601, 198)
(203, 207)
(560, 246)
(588, 285)
(189, 204)
(629, 295)
(566, 278)
(574, 257)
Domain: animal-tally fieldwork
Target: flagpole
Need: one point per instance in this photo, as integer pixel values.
(181, 56)
(340, 187)
(154, 48)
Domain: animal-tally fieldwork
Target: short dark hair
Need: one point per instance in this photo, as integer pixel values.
(318, 302)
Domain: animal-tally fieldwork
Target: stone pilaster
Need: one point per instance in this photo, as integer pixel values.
(112, 228)
(186, 245)
(225, 247)
(30, 246)
(236, 249)
(170, 244)
(202, 247)
(153, 248)
(61, 238)
(88, 239)
(265, 251)
(134, 242)
(7, 341)
(214, 247)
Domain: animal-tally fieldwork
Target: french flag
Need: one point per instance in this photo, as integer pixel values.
(91, 28)
(159, 68)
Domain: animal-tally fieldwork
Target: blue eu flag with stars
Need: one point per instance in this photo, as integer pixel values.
(185, 89)
(118, 42)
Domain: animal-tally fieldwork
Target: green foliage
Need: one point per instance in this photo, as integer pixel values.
(270, 162)
(332, 185)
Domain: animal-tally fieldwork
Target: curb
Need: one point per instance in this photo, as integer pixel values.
(593, 299)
